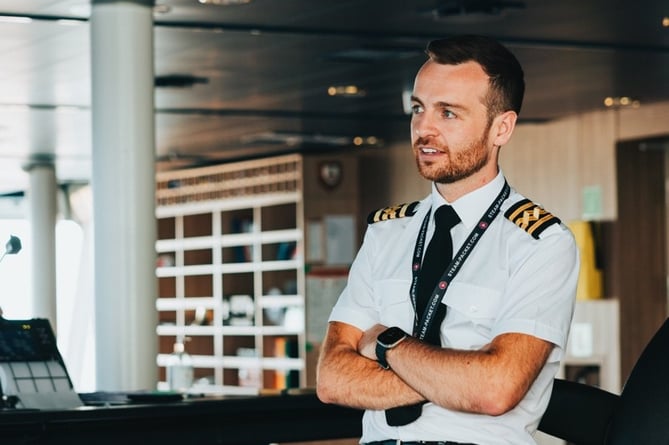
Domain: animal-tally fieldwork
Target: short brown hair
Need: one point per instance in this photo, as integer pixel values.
(507, 83)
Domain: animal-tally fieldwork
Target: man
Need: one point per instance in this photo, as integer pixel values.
(485, 373)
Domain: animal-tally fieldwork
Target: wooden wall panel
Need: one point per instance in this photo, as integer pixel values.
(640, 263)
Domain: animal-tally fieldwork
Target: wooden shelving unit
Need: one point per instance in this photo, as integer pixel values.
(223, 232)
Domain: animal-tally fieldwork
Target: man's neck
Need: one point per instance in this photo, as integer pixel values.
(455, 190)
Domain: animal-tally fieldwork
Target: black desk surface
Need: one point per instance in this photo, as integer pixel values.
(227, 420)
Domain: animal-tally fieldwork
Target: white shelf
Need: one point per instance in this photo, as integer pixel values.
(210, 269)
(196, 208)
(195, 330)
(229, 240)
(198, 213)
(191, 303)
(236, 362)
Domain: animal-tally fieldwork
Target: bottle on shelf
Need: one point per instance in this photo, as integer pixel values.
(179, 369)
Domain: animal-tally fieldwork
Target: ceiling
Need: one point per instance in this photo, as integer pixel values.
(261, 71)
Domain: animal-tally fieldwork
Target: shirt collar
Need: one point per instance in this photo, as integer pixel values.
(471, 206)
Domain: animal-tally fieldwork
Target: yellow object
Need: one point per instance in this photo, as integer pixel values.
(590, 277)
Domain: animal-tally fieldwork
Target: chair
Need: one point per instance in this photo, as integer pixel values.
(586, 415)
(579, 413)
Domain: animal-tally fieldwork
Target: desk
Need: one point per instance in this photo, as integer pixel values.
(229, 420)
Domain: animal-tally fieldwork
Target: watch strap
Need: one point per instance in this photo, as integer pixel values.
(381, 355)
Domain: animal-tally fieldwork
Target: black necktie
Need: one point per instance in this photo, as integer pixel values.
(438, 255)
(437, 258)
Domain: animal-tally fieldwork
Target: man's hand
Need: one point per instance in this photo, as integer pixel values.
(347, 377)
(367, 343)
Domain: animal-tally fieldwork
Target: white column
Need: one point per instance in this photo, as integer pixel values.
(123, 194)
(43, 211)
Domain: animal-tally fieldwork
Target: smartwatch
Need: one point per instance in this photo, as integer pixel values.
(388, 339)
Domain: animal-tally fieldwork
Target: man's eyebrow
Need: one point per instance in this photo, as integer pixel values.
(442, 104)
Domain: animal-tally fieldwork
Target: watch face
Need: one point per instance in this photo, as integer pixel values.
(391, 336)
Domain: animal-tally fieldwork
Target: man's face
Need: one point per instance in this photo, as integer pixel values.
(449, 125)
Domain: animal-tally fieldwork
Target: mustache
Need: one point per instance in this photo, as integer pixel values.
(430, 142)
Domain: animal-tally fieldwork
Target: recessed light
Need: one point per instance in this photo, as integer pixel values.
(373, 141)
(346, 91)
(621, 101)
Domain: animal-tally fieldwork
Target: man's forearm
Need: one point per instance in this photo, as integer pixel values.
(490, 381)
(347, 378)
(352, 380)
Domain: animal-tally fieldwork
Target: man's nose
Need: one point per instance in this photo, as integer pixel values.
(423, 126)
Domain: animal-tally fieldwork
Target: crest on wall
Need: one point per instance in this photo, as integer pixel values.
(330, 173)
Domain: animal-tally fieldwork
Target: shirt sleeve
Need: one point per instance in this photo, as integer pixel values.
(540, 294)
(355, 305)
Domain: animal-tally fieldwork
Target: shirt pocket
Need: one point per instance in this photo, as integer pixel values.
(477, 304)
(393, 303)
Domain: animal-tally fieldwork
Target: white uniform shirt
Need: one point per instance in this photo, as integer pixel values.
(511, 282)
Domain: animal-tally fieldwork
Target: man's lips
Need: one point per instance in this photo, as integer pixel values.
(427, 150)
(426, 146)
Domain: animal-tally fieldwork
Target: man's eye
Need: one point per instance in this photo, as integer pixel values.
(448, 114)
(415, 109)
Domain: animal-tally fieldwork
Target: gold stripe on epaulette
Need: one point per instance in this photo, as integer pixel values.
(392, 212)
(530, 217)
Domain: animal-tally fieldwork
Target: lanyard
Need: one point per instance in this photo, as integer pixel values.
(420, 330)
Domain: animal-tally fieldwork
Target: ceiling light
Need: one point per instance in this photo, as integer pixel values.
(346, 91)
(359, 141)
(665, 22)
(621, 101)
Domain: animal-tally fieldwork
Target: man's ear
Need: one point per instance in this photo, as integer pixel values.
(502, 127)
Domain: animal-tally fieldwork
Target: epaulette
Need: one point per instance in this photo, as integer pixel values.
(392, 212)
(530, 217)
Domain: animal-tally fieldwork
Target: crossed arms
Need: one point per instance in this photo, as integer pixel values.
(491, 380)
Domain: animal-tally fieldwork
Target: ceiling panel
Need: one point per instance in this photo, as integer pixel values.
(261, 71)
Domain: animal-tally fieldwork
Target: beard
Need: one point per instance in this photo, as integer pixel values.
(460, 164)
